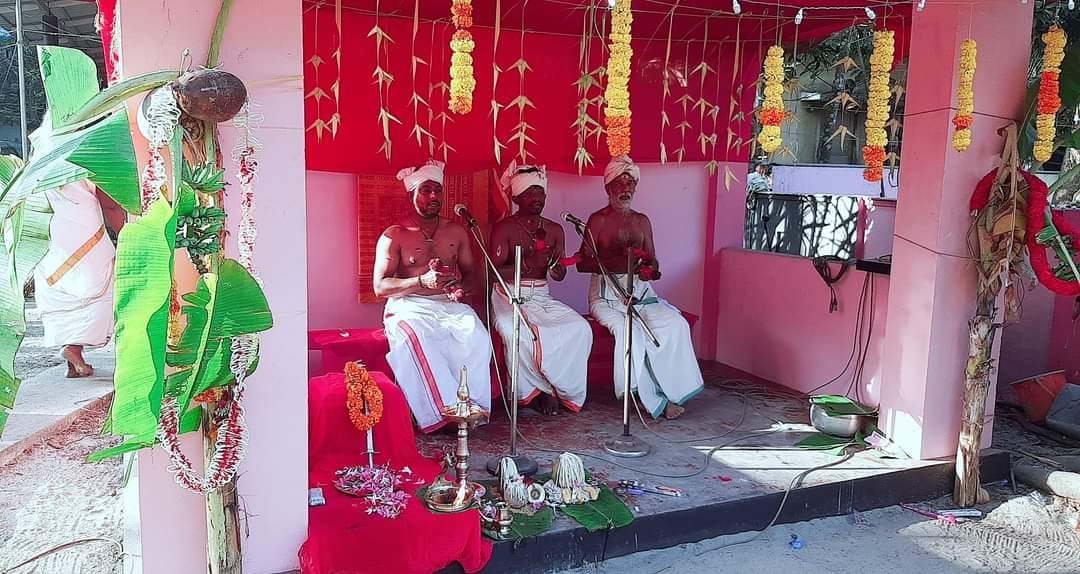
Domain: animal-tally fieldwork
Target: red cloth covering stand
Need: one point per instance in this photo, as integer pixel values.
(342, 537)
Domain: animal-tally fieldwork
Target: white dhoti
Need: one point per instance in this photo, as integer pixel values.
(669, 372)
(73, 284)
(556, 362)
(431, 338)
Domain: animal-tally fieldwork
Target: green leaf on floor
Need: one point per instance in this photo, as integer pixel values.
(839, 405)
(606, 512)
(825, 443)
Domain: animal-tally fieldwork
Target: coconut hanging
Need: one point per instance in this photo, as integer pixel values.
(210, 95)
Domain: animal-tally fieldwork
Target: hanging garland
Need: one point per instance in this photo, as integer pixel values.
(162, 117)
(965, 97)
(617, 93)
(462, 82)
(365, 400)
(1049, 101)
(877, 106)
(772, 109)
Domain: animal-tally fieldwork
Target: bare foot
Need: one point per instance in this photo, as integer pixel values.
(77, 366)
(546, 404)
(673, 411)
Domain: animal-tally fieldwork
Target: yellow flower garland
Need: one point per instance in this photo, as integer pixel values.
(965, 97)
(772, 108)
(617, 92)
(1049, 101)
(877, 106)
(462, 82)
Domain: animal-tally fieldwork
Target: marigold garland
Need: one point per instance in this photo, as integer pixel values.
(965, 97)
(877, 105)
(1049, 100)
(772, 108)
(362, 391)
(462, 82)
(617, 92)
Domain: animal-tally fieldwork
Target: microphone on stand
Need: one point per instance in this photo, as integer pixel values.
(463, 212)
(573, 220)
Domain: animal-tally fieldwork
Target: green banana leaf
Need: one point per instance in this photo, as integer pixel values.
(100, 151)
(224, 305)
(144, 274)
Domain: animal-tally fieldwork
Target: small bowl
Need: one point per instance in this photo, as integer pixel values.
(844, 426)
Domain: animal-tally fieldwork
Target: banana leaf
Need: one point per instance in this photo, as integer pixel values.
(224, 305)
(100, 151)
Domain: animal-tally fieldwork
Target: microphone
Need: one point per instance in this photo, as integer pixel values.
(573, 220)
(463, 212)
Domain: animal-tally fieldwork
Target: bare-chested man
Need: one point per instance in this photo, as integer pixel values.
(422, 265)
(553, 368)
(667, 376)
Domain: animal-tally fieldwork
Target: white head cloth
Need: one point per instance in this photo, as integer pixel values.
(412, 177)
(518, 178)
(620, 165)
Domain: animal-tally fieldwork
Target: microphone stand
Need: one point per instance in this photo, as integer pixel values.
(525, 465)
(625, 445)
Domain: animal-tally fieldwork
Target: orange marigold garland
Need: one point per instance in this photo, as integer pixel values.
(877, 106)
(772, 108)
(462, 81)
(1049, 101)
(617, 91)
(965, 97)
(362, 392)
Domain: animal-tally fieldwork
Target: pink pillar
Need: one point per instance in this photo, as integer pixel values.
(262, 45)
(932, 294)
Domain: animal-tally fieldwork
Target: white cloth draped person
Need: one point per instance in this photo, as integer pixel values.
(668, 373)
(430, 339)
(556, 362)
(73, 284)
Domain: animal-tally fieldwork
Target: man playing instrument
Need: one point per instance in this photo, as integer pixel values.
(422, 265)
(555, 340)
(667, 376)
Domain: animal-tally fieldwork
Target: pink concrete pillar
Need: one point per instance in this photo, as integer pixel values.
(262, 45)
(932, 294)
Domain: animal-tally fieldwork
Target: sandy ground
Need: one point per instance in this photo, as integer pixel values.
(1024, 533)
(51, 496)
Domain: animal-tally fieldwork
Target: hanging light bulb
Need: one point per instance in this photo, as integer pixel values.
(870, 13)
(736, 7)
(920, 6)
(1072, 4)
(799, 16)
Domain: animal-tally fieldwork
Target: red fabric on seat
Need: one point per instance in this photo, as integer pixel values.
(342, 537)
(369, 346)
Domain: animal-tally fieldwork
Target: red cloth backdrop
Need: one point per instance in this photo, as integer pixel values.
(382, 202)
(348, 100)
(342, 537)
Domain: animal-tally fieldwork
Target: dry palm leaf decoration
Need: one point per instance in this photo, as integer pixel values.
(999, 231)
(416, 101)
(332, 122)
(383, 79)
(495, 105)
(589, 88)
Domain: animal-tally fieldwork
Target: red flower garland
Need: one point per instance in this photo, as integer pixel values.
(1038, 200)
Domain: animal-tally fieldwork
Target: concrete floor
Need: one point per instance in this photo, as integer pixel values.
(755, 426)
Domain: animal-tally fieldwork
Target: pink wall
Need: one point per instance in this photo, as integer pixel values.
(774, 322)
(273, 477)
(672, 196)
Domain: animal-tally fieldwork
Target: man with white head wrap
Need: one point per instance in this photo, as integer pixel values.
(422, 265)
(667, 376)
(553, 362)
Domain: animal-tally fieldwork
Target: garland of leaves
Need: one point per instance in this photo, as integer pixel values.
(1049, 100)
(462, 82)
(617, 94)
(333, 121)
(383, 78)
(877, 105)
(586, 125)
(416, 101)
(965, 97)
